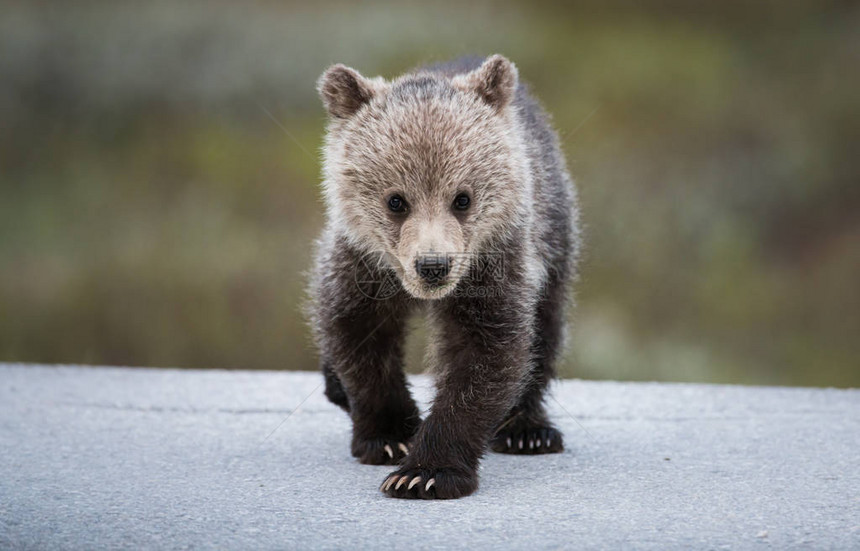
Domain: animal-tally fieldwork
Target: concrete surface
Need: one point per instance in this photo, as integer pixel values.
(94, 458)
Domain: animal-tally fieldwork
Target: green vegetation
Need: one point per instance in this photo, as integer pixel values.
(152, 213)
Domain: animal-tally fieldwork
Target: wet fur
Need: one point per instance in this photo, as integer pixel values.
(493, 356)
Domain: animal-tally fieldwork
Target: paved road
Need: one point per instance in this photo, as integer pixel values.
(95, 458)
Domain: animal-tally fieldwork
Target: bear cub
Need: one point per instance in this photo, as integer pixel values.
(446, 191)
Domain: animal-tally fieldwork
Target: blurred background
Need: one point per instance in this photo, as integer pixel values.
(159, 176)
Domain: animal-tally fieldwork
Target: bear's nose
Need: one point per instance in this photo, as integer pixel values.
(432, 267)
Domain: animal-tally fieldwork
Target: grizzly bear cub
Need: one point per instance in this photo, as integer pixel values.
(446, 191)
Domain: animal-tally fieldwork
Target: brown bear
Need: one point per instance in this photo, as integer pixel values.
(446, 192)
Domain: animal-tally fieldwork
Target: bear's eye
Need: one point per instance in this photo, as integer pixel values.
(396, 203)
(462, 202)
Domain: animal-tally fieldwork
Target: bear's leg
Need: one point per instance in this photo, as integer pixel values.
(367, 364)
(527, 429)
(361, 338)
(334, 388)
(482, 348)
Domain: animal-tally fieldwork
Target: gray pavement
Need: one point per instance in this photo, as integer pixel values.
(94, 458)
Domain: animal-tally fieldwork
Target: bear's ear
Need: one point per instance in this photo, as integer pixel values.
(344, 90)
(495, 81)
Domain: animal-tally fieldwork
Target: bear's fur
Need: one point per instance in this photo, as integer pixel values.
(399, 157)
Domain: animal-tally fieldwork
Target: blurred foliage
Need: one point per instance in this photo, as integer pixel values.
(159, 176)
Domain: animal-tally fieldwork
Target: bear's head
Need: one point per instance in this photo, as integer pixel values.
(427, 170)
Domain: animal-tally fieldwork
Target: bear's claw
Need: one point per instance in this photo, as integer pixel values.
(380, 451)
(527, 440)
(440, 483)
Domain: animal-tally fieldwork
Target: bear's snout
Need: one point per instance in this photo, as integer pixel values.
(433, 267)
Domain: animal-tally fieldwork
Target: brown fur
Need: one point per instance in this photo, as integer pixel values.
(464, 128)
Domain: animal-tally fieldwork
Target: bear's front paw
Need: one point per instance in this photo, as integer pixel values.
(527, 440)
(379, 451)
(430, 483)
